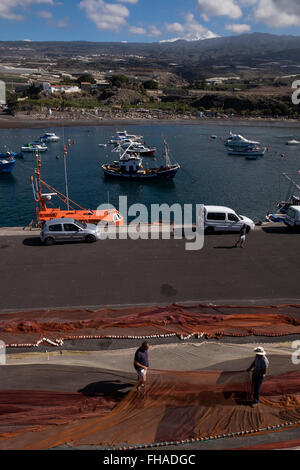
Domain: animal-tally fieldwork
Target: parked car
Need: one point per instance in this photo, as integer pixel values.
(219, 218)
(292, 218)
(68, 230)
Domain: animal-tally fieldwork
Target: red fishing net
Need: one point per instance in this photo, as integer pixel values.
(20, 409)
(176, 406)
(212, 321)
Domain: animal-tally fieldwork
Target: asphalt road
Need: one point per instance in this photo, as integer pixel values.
(128, 272)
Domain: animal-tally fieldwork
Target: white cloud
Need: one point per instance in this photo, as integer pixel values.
(278, 13)
(220, 8)
(175, 28)
(137, 30)
(106, 16)
(10, 9)
(44, 14)
(154, 31)
(190, 30)
(238, 28)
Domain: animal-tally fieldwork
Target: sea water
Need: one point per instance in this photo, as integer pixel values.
(207, 175)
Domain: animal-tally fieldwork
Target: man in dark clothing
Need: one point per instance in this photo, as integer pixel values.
(141, 364)
(259, 367)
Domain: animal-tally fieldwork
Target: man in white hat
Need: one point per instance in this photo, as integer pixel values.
(259, 369)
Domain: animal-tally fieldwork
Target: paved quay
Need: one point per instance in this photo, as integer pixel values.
(141, 272)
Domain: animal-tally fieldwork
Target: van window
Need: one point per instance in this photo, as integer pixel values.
(233, 218)
(215, 216)
(55, 228)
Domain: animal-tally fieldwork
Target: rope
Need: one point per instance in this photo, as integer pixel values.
(206, 438)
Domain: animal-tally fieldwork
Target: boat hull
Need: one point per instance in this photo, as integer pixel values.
(248, 155)
(163, 174)
(88, 216)
(32, 150)
(7, 167)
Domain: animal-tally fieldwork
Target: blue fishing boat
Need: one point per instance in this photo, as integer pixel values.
(7, 163)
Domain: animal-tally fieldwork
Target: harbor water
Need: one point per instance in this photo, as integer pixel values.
(207, 175)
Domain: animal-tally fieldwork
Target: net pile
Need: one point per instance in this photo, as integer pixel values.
(23, 409)
(28, 328)
(176, 406)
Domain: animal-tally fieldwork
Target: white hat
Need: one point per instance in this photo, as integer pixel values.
(260, 351)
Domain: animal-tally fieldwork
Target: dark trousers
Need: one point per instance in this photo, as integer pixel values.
(257, 380)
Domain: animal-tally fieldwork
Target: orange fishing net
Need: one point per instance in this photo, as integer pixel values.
(177, 406)
(20, 409)
(212, 321)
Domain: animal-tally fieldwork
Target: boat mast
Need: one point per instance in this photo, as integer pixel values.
(65, 167)
(291, 181)
(167, 153)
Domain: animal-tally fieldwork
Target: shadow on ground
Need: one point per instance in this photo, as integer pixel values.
(107, 387)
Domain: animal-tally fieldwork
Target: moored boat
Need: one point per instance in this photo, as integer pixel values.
(49, 137)
(73, 210)
(291, 200)
(34, 146)
(139, 149)
(236, 140)
(123, 137)
(130, 166)
(7, 163)
(251, 152)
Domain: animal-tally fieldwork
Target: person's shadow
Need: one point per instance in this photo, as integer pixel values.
(107, 387)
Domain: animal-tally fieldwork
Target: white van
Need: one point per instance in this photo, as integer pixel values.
(219, 218)
(292, 218)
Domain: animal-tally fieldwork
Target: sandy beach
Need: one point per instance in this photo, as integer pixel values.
(39, 121)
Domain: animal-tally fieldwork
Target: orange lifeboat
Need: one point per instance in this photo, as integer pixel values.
(73, 210)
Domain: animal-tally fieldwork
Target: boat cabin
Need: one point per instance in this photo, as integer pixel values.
(130, 164)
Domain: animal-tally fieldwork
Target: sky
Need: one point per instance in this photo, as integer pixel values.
(144, 20)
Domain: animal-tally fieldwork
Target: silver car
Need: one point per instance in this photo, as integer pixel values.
(68, 230)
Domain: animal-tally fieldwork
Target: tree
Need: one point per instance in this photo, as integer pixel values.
(119, 81)
(12, 102)
(87, 77)
(150, 85)
(33, 92)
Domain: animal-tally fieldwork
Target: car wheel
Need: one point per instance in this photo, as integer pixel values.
(49, 241)
(90, 239)
(209, 230)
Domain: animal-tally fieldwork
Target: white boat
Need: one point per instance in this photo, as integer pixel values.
(49, 137)
(293, 142)
(139, 149)
(34, 147)
(236, 140)
(251, 152)
(123, 136)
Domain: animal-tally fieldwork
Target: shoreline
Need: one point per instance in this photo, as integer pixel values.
(9, 122)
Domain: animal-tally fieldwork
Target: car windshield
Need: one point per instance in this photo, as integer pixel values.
(81, 224)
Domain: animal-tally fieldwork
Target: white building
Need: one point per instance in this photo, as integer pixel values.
(48, 88)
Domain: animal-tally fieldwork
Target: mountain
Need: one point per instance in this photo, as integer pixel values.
(255, 50)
